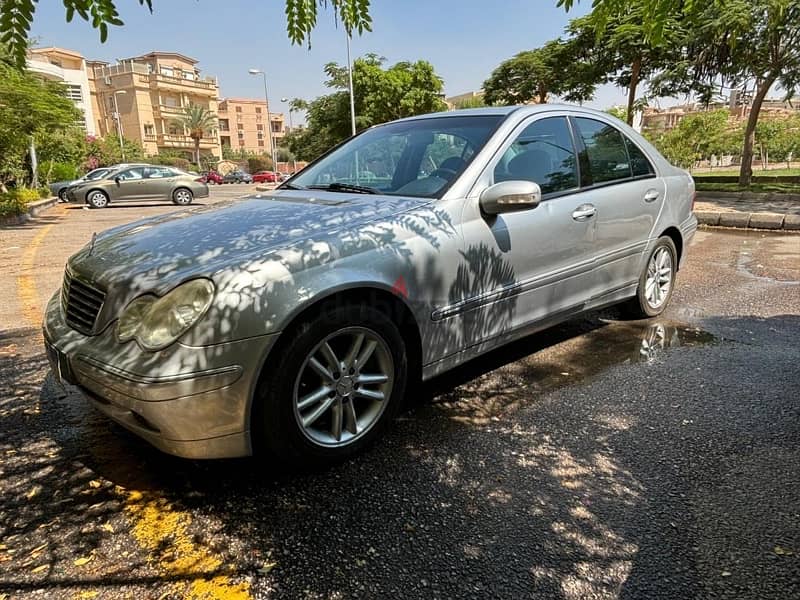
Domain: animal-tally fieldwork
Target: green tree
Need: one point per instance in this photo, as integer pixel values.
(742, 41)
(623, 54)
(29, 105)
(697, 137)
(620, 112)
(105, 151)
(559, 67)
(473, 102)
(197, 120)
(16, 17)
(381, 94)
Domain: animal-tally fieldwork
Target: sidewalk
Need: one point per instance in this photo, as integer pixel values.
(747, 213)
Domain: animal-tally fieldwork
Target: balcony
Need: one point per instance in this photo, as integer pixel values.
(171, 140)
(169, 111)
(204, 87)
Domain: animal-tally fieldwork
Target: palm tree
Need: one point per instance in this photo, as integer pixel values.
(197, 120)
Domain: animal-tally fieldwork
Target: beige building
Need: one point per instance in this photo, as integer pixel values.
(243, 126)
(151, 92)
(69, 68)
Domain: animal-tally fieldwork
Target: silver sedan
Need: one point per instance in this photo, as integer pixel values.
(293, 322)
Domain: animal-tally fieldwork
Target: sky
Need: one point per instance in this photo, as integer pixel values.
(464, 40)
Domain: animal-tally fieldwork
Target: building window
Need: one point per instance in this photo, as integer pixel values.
(261, 143)
(173, 131)
(223, 124)
(188, 75)
(167, 71)
(276, 127)
(241, 142)
(258, 110)
(238, 109)
(241, 133)
(260, 127)
(261, 135)
(149, 130)
(74, 93)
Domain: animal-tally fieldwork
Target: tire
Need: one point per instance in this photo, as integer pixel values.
(182, 197)
(97, 199)
(291, 380)
(62, 195)
(652, 298)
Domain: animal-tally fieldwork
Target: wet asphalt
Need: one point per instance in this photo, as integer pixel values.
(600, 459)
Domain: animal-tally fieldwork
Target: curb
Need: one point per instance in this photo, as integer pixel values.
(34, 208)
(743, 220)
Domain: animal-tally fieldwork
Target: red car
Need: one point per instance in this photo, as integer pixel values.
(212, 177)
(265, 177)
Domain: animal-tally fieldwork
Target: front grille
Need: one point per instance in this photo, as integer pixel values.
(81, 303)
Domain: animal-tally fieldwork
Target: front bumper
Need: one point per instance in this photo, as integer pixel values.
(188, 401)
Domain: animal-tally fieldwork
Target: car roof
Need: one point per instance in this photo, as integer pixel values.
(505, 111)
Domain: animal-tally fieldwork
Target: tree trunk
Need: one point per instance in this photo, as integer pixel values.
(542, 95)
(746, 171)
(197, 152)
(636, 69)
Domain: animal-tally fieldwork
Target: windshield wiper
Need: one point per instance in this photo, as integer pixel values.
(345, 187)
(291, 186)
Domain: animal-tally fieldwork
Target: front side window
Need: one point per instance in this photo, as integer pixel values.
(407, 158)
(543, 153)
(605, 149)
(131, 174)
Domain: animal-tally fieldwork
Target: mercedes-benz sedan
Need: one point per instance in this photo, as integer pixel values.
(294, 321)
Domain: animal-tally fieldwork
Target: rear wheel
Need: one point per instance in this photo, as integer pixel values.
(334, 389)
(182, 196)
(656, 281)
(97, 199)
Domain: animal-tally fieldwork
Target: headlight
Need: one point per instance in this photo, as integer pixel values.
(158, 322)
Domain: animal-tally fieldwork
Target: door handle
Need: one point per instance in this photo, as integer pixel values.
(584, 212)
(651, 196)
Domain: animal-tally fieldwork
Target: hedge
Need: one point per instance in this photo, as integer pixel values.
(16, 202)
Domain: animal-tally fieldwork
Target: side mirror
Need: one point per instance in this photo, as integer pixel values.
(510, 196)
(117, 179)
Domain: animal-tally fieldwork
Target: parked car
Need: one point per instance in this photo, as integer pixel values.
(148, 182)
(213, 178)
(60, 187)
(265, 177)
(294, 322)
(237, 177)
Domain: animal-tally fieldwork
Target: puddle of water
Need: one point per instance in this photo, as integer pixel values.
(502, 381)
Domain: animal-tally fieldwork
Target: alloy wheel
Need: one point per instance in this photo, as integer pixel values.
(659, 278)
(343, 386)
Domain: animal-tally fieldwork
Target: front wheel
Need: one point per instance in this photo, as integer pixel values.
(656, 281)
(182, 197)
(333, 388)
(97, 199)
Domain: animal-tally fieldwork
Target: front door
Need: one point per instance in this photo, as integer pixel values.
(522, 267)
(128, 184)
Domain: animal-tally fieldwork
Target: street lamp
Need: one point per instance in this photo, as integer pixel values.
(269, 122)
(291, 127)
(119, 123)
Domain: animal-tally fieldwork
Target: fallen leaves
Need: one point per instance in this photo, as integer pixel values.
(781, 551)
(40, 568)
(34, 491)
(79, 562)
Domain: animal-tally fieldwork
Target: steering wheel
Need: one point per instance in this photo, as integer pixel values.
(443, 173)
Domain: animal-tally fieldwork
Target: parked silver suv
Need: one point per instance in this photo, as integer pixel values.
(293, 321)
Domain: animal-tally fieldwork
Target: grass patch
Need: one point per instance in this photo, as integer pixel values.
(16, 202)
(722, 172)
(779, 188)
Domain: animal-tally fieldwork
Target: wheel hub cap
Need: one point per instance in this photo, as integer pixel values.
(345, 386)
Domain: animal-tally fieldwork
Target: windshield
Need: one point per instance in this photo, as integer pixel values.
(409, 158)
(96, 174)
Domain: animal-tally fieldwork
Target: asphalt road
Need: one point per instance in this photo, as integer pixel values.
(600, 459)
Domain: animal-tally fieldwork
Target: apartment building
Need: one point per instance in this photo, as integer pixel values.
(69, 68)
(243, 126)
(150, 93)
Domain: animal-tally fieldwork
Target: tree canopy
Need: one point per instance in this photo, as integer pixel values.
(16, 17)
(381, 94)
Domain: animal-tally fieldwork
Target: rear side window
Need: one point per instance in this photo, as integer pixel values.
(605, 149)
(640, 166)
(543, 153)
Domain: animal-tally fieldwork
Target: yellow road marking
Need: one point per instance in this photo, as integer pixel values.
(164, 533)
(161, 530)
(27, 293)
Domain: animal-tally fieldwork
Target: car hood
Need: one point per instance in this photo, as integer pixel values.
(158, 252)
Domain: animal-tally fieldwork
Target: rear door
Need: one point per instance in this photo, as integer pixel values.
(158, 183)
(622, 188)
